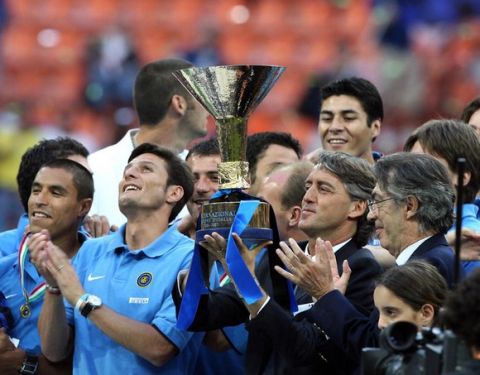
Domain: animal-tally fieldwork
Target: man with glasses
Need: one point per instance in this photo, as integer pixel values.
(412, 209)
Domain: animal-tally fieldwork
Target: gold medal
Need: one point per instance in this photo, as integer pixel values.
(25, 310)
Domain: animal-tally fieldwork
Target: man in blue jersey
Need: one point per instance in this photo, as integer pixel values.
(61, 196)
(44, 151)
(119, 315)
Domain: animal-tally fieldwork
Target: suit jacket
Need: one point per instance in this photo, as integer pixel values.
(301, 347)
(437, 252)
(365, 269)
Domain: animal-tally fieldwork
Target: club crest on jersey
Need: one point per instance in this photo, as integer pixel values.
(144, 279)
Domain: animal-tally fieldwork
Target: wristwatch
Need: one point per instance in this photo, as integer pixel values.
(87, 303)
(29, 365)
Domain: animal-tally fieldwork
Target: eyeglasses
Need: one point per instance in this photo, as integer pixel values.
(373, 204)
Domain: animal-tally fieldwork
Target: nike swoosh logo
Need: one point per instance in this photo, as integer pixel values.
(10, 296)
(93, 278)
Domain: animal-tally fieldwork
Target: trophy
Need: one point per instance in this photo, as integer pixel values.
(230, 94)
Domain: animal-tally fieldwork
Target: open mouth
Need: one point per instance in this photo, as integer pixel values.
(131, 187)
(40, 215)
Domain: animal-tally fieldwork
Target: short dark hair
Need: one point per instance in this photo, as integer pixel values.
(362, 90)
(294, 188)
(450, 140)
(177, 170)
(462, 308)
(44, 151)
(208, 147)
(258, 143)
(406, 174)
(359, 181)
(470, 109)
(82, 177)
(155, 86)
(430, 285)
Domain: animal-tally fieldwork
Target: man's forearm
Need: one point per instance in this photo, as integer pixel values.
(55, 333)
(141, 338)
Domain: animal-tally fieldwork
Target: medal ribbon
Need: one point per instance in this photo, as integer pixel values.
(39, 290)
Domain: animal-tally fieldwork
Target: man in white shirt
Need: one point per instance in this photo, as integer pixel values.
(169, 117)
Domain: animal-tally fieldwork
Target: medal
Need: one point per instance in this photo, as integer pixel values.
(25, 311)
(37, 292)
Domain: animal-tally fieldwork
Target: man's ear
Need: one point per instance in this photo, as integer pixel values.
(412, 206)
(173, 194)
(84, 207)
(295, 214)
(357, 209)
(179, 104)
(376, 127)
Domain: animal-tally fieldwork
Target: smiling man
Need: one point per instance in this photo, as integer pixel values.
(351, 116)
(61, 196)
(118, 314)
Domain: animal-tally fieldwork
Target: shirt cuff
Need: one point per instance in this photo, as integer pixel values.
(261, 308)
(180, 277)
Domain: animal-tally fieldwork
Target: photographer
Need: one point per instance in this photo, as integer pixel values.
(462, 309)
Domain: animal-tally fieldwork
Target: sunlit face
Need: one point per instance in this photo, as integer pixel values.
(326, 206)
(54, 204)
(343, 126)
(273, 157)
(195, 120)
(474, 122)
(392, 309)
(143, 184)
(206, 181)
(389, 221)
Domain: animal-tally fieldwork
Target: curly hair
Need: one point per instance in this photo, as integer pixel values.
(43, 152)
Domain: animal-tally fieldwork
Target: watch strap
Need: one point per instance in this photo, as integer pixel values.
(29, 365)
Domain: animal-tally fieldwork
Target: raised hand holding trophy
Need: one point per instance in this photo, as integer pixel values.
(230, 94)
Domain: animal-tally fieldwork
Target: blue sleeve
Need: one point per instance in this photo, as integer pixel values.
(165, 321)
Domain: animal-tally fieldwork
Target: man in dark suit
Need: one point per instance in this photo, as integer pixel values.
(334, 207)
(412, 208)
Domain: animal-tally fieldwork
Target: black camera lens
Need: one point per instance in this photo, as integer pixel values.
(399, 337)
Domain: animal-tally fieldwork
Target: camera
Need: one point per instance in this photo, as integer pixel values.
(405, 351)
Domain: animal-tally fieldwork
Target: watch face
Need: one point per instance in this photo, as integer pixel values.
(94, 300)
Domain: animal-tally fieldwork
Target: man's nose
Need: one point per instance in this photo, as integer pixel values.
(336, 125)
(203, 185)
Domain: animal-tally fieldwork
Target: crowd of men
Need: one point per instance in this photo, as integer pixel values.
(97, 277)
